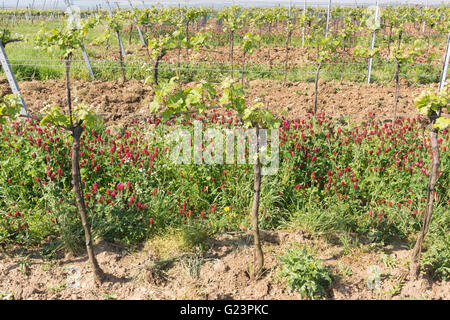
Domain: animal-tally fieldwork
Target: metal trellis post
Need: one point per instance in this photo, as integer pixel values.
(83, 49)
(372, 45)
(11, 79)
(137, 26)
(328, 19)
(117, 32)
(445, 65)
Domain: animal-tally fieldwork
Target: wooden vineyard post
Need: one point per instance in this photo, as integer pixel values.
(117, 32)
(372, 45)
(83, 50)
(137, 26)
(11, 79)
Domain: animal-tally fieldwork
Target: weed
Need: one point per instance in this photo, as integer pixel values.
(50, 250)
(108, 296)
(345, 271)
(397, 287)
(24, 264)
(389, 261)
(48, 265)
(348, 243)
(196, 236)
(305, 273)
(61, 286)
(301, 92)
(192, 263)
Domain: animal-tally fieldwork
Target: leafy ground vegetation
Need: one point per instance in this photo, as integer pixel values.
(337, 220)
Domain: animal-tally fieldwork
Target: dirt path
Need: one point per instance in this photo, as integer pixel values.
(162, 270)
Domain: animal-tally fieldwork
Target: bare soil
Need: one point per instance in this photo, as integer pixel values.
(117, 102)
(121, 103)
(269, 58)
(159, 270)
(338, 100)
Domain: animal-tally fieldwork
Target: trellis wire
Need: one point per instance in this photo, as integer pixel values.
(300, 64)
(147, 117)
(216, 70)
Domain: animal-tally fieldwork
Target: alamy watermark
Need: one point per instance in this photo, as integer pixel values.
(213, 146)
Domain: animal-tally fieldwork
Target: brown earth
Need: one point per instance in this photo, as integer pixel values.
(338, 100)
(120, 103)
(273, 57)
(268, 58)
(159, 270)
